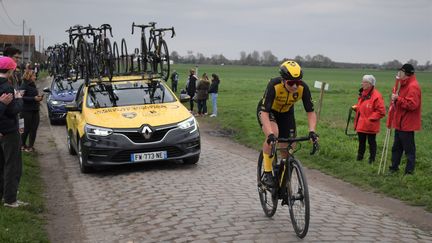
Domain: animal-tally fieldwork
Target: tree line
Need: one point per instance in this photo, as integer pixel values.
(266, 58)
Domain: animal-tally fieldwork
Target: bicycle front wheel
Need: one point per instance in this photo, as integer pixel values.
(164, 63)
(269, 202)
(298, 195)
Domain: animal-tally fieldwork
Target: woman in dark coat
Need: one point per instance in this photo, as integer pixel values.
(30, 111)
(202, 94)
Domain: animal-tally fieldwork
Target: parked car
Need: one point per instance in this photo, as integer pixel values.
(130, 120)
(62, 91)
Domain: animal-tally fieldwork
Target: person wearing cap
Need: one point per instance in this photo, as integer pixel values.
(406, 118)
(10, 139)
(369, 110)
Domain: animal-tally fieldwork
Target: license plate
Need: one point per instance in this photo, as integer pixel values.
(138, 157)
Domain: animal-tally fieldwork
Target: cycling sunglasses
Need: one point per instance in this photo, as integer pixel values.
(292, 82)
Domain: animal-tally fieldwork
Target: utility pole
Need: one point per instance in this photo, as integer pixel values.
(39, 43)
(22, 45)
(29, 40)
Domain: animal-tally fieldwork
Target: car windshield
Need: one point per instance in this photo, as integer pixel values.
(107, 94)
(64, 84)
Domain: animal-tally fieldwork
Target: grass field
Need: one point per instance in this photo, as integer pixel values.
(242, 86)
(25, 224)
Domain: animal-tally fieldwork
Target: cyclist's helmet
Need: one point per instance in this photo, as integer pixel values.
(291, 70)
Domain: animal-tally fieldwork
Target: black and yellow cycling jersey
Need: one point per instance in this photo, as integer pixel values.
(278, 99)
(279, 103)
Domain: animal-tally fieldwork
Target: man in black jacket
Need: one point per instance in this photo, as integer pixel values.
(10, 141)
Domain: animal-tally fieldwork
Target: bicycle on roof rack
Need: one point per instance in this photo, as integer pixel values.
(102, 51)
(154, 56)
(80, 58)
(291, 185)
(142, 56)
(158, 53)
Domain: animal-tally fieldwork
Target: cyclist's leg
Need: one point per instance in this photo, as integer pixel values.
(270, 127)
(288, 130)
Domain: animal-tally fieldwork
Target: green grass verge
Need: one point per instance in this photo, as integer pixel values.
(25, 224)
(242, 86)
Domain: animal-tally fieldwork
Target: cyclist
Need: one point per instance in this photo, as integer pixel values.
(275, 111)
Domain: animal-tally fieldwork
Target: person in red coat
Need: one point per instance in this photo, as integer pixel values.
(406, 117)
(369, 110)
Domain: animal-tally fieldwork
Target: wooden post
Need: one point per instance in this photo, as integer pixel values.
(321, 100)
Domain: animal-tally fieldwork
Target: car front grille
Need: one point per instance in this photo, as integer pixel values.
(138, 137)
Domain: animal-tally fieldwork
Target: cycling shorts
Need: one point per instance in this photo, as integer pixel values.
(285, 121)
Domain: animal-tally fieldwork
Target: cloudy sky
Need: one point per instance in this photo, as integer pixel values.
(368, 31)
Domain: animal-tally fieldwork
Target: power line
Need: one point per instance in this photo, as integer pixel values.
(4, 8)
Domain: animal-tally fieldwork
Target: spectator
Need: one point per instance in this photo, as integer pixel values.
(369, 110)
(202, 94)
(15, 54)
(191, 88)
(174, 81)
(36, 70)
(10, 153)
(406, 118)
(30, 111)
(214, 88)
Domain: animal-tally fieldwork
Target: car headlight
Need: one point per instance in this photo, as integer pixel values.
(92, 131)
(56, 102)
(189, 123)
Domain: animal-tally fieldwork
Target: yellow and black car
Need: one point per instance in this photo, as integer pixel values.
(130, 120)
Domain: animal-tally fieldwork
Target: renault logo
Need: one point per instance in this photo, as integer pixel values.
(146, 132)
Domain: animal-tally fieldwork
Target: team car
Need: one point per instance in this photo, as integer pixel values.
(62, 91)
(130, 120)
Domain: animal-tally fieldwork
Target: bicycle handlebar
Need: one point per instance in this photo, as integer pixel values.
(315, 146)
(142, 26)
(160, 30)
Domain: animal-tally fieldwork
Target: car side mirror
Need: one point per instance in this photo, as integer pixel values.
(72, 107)
(47, 90)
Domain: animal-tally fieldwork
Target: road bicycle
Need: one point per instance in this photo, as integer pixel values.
(158, 54)
(142, 60)
(290, 185)
(102, 51)
(80, 58)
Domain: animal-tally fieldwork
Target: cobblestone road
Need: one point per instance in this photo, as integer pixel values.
(213, 201)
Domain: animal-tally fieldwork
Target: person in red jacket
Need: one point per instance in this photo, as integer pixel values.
(369, 110)
(406, 117)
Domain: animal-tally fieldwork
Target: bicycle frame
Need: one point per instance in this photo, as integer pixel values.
(291, 185)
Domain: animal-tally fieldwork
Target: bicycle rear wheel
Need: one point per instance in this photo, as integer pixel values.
(268, 201)
(298, 195)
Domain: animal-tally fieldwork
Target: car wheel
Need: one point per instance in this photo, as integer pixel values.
(52, 122)
(71, 150)
(82, 157)
(191, 160)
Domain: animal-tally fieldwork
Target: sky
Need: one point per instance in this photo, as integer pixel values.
(358, 31)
